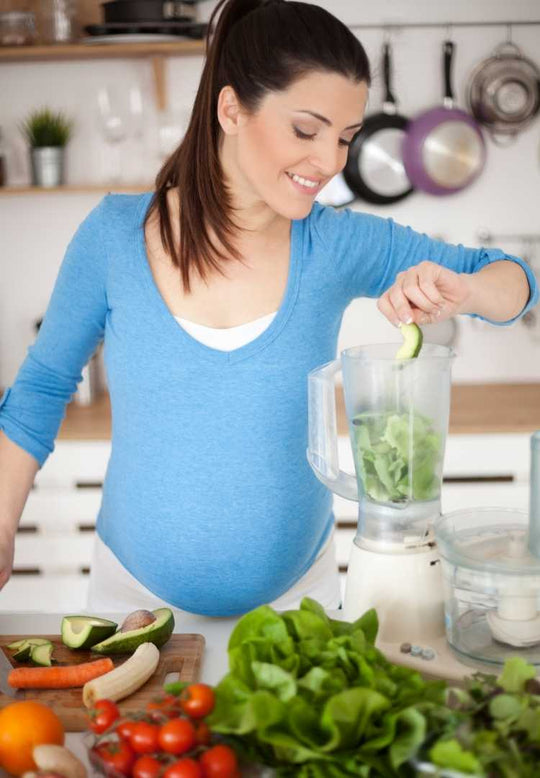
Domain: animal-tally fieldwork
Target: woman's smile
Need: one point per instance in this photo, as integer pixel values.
(305, 185)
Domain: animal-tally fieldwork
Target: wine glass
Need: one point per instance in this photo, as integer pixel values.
(136, 112)
(113, 125)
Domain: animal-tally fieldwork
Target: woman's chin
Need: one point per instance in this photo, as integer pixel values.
(294, 210)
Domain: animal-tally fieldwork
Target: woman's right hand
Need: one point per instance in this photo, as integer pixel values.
(7, 548)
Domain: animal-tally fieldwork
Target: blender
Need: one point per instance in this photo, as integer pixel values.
(398, 412)
(459, 590)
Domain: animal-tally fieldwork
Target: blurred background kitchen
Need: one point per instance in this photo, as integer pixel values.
(129, 94)
(122, 76)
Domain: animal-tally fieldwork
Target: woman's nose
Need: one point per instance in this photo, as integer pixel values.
(329, 159)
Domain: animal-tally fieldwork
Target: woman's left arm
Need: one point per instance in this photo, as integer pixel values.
(418, 278)
(429, 292)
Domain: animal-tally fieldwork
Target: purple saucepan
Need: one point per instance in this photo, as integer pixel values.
(444, 149)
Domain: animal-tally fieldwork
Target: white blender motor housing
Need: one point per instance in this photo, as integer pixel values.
(394, 566)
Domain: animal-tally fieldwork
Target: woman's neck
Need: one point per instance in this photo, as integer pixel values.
(256, 220)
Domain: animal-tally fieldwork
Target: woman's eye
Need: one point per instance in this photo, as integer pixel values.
(311, 135)
(303, 135)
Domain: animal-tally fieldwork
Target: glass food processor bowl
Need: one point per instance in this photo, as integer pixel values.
(491, 585)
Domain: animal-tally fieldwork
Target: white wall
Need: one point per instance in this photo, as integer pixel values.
(35, 229)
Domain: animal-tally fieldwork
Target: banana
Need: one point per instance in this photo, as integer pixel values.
(124, 679)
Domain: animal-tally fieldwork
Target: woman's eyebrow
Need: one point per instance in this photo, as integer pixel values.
(327, 121)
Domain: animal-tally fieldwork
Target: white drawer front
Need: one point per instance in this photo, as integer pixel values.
(58, 508)
(62, 552)
(45, 593)
(456, 496)
(75, 462)
(488, 455)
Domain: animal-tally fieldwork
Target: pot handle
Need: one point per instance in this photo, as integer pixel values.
(448, 56)
(502, 141)
(322, 453)
(507, 49)
(389, 103)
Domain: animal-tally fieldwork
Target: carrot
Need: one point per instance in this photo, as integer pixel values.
(59, 677)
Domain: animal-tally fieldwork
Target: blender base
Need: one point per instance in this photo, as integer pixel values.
(404, 587)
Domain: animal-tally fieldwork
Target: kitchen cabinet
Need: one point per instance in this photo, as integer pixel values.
(54, 543)
(486, 464)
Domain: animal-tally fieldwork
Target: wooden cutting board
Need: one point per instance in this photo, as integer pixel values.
(181, 654)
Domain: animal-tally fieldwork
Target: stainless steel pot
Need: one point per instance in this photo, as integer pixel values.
(504, 92)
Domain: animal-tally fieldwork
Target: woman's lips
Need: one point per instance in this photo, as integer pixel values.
(305, 188)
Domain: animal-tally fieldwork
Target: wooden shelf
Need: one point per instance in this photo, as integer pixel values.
(73, 51)
(156, 52)
(76, 189)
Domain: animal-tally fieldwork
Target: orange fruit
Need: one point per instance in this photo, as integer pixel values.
(24, 725)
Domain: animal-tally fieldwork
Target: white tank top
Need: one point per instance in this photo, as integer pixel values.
(227, 338)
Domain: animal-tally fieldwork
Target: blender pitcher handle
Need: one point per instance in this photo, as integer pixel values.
(322, 453)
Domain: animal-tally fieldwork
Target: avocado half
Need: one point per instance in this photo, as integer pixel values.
(158, 632)
(81, 631)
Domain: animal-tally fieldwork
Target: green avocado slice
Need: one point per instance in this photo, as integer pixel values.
(41, 655)
(25, 647)
(158, 632)
(29, 641)
(22, 654)
(412, 341)
(84, 631)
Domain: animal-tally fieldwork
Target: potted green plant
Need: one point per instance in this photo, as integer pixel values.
(47, 133)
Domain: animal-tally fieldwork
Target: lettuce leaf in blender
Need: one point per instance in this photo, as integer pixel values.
(398, 456)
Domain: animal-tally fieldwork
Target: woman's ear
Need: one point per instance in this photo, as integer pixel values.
(229, 111)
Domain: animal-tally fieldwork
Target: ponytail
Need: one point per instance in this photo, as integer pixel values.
(255, 46)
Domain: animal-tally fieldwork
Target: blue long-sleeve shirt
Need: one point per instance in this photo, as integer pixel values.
(208, 498)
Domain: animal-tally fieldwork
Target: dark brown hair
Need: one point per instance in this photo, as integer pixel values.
(258, 46)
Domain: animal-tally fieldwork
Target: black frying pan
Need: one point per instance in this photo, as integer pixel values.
(374, 169)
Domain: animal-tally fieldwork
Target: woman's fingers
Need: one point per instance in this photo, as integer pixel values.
(400, 305)
(415, 296)
(386, 308)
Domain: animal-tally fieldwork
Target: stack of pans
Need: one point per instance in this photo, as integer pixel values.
(172, 17)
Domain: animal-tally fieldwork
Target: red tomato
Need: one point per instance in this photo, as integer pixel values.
(219, 762)
(116, 755)
(144, 737)
(163, 707)
(197, 700)
(184, 768)
(177, 736)
(125, 727)
(146, 767)
(103, 715)
(202, 733)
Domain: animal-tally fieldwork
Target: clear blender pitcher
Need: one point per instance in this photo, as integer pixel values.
(398, 412)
